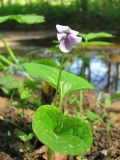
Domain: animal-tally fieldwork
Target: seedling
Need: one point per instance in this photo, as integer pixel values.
(92, 116)
(66, 135)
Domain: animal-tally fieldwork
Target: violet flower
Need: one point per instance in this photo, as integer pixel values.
(67, 38)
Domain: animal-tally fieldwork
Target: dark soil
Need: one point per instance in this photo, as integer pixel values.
(12, 148)
(104, 148)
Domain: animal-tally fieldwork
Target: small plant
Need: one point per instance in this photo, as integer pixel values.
(67, 135)
(24, 138)
(8, 84)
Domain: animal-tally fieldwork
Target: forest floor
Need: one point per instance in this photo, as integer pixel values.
(105, 147)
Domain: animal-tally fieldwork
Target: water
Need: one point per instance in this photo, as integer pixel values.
(103, 64)
(103, 70)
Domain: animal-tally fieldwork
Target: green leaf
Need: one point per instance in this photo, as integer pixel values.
(8, 83)
(24, 19)
(23, 136)
(68, 82)
(23, 91)
(48, 61)
(99, 43)
(5, 60)
(116, 95)
(92, 116)
(66, 135)
(25, 94)
(9, 50)
(91, 36)
(96, 43)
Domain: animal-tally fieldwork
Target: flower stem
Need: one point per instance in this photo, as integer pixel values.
(60, 103)
(58, 83)
(61, 67)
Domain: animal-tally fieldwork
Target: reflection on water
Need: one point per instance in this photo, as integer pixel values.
(103, 70)
(98, 70)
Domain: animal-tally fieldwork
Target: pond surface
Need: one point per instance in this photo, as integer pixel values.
(103, 70)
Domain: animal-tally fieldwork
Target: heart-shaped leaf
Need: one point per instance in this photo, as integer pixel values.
(68, 81)
(66, 135)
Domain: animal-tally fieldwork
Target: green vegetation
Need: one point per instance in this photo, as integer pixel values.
(77, 13)
(69, 134)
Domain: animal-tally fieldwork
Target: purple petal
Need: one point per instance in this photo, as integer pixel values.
(66, 45)
(62, 29)
(74, 39)
(61, 36)
(74, 32)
